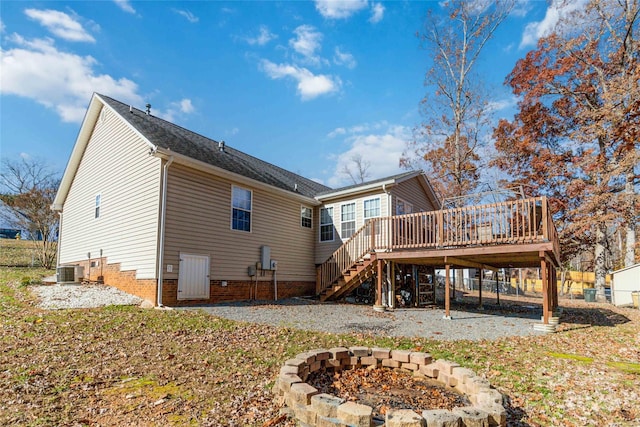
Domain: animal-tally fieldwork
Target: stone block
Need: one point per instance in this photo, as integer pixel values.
(381, 353)
(497, 414)
(447, 379)
(489, 397)
(329, 422)
(354, 361)
(431, 370)
(368, 361)
(472, 417)
(339, 352)
(359, 351)
(301, 393)
(401, 355)
(305, 414)
(410, 366)
(355, 414)
(474, 385)
(390, 363)
(441, 418)
(321, 354)
(296, 362)
(308, 358)
(332, 363)
(463, 374)
(446, 366)
(287, 369)
(315, 366)
(326, 405)
(420, 358)
(403, 418)
(286, 381)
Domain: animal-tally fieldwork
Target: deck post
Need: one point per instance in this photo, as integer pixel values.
(440, 228)
(392, 291)
(545, 217)
(554, 289)
(544, 272)
(480, 289)
(379, 283)
(447, 292)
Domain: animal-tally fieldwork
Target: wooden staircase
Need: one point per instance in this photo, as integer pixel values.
(356, 275)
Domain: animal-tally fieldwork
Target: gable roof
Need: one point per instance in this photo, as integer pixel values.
(165, 135)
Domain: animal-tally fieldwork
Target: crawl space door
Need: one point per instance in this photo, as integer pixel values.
(193, 277)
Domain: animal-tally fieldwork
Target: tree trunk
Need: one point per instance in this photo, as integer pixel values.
(600, 262)
(630, 214)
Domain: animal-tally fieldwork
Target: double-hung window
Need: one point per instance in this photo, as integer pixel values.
(348, 220)
(306, 217)
(241, 209)
(371, 210)
(326, 224)
(98, 203)
(403, 207)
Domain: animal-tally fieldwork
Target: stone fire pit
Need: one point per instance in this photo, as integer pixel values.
(312, 408)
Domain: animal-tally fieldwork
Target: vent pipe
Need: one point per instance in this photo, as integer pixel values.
(148, 109)
(221, 146)
(130, 109)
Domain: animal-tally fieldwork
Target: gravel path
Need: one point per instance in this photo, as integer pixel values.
(409, 322)
(306, 314)
(82, 296)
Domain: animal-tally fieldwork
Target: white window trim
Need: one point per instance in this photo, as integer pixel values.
(250, 211)
(97, 207)
(332, 223)
(355, 218)
(364, 211)
(301, 217)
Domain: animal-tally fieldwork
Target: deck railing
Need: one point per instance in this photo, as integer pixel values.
(511, 222)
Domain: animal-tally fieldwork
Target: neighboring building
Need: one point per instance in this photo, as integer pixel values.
(174, 217)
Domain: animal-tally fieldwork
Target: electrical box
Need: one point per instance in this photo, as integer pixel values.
(251, 270)
(265, 256)
(274, 264)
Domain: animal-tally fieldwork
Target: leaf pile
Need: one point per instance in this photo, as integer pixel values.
(384, 389)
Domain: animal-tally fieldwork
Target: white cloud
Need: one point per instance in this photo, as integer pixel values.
(2, 27)
(177, 108)
(381, 150)
(264, 37)
(60, 24)
(344, 58)
(557, 10)
(188, 15)
(309, 86)
(61, 81)
(336, 132)
(339, 9)
(502, 104)
(307, 42)
(125, 5)
(377, 13)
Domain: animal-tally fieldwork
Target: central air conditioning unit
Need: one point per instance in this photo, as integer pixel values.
(66, 274)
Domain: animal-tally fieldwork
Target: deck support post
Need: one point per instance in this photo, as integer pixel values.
(379, 283)
(544, 272)
(447, 292)
(554, 289)
(392, 290)
(480, 289)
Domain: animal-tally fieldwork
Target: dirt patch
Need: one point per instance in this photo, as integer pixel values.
(384, 389)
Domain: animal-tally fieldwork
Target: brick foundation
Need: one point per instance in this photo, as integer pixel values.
(305, 403)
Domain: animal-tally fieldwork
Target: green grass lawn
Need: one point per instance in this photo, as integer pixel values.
(20, 253)
(122, 366)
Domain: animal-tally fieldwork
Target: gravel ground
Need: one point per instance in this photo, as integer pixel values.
(301, 313)
(409, 322)
(82, 296)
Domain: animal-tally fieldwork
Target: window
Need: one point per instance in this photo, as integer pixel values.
(326, 224)
(348, 220)
(98, 201)
(403, 207)
(371, 208)
(241, 209)
(306, 217)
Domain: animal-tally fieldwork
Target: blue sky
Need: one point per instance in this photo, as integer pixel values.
(303, 85)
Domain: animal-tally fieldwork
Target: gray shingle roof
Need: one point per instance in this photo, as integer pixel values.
(164, 134)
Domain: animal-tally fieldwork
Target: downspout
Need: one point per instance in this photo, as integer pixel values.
(59, 237)
(163, 217)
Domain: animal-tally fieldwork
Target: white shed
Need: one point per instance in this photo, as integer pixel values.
(625, 281)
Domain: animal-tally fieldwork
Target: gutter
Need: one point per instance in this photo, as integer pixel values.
(163, 217)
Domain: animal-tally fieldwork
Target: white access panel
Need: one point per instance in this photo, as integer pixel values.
(193, 277)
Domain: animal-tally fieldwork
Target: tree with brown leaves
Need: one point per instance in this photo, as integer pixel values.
(576, 136)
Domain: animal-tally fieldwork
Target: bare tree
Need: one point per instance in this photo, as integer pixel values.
(27, 190)
(361, 169)
(456, 107)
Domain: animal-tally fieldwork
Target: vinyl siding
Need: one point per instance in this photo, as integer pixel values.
(325, 249)
(413, 192)
(199, 221)
(116, 164)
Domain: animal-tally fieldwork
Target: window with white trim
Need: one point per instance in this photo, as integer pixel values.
(241, 209)
(403, 207)
(98, 203)
(326, 224)
(371, 208)
(347, 220)
(306, 217)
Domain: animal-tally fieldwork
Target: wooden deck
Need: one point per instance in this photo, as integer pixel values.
(518, 233)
